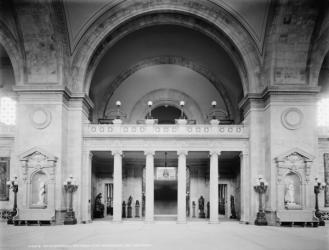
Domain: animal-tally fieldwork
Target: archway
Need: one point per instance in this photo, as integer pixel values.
(209, 18)
(166, 114)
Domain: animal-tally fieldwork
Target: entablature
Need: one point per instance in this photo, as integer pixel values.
(177, 131)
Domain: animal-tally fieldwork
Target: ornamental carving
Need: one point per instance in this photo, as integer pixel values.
(37, 159)
(294, 161)
(292, 118)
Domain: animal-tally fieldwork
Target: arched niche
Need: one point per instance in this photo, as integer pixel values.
(292, 191)
(37, 186)
(294, 188)
(39, 190)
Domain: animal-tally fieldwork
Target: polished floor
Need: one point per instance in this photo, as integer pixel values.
(163, 235)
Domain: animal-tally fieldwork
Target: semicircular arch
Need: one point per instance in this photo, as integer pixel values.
(239, 44)
(181, 61)
(170, 97)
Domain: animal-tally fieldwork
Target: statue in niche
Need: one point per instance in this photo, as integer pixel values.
(42, 193)
(289, 198)
(292, 192)
(39, 190)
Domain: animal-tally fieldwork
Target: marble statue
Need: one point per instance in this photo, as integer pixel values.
(42, 193)
(290, 193)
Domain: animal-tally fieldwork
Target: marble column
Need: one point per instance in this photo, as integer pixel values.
(213, 186)
(244, 187)
(149, 186)
(181, 198)
(117, 186)
(86, 187)
(326, 179)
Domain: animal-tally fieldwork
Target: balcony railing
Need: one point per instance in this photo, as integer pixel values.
(137, 130)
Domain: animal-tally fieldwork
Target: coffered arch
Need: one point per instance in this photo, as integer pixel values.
(204, 16)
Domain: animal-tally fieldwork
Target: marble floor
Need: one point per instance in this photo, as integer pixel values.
(163, 235)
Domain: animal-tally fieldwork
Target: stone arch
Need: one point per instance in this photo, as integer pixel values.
(184, 62)
(319, 51)
(14, 52)
(239, 44)
(170, 97)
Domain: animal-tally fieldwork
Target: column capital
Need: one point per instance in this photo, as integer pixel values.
(116, 152)
(215, 152)
(182, 152)
(149, 152)
(242, 154)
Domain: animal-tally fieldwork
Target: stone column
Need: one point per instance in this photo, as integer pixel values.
(244, 187)
(213, 186)
(117, 186)
(181, 198)
(86, 187)
(326, 179)
(149, 186)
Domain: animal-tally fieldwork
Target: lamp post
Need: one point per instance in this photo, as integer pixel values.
(213, 104)
(149, 104)
(182, 104)
(13, 184)
(318, 186)
(70, 187)
(118, 104)
(260, 188)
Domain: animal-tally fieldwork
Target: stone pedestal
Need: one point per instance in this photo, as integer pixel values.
(261, 219)
(129, 212)
(70, 218)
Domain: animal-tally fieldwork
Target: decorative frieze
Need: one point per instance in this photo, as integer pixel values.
(128, 130)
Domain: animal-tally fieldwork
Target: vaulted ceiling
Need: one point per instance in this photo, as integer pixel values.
(253, 15)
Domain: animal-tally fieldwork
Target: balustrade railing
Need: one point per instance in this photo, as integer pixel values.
(138, 130)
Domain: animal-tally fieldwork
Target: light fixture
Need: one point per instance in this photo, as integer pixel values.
(182, 104)
(213, 104)
(165, 171)
(149, 104)
(118, 104)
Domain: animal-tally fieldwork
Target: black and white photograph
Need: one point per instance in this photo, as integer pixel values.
(164, 124)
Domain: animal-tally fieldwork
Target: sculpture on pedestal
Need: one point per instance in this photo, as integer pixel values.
(201, 207)
(233, 213)
(99, 207)
(137, 206)
(129, 208)
(193, 209)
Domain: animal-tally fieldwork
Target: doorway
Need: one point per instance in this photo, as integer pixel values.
(165, 197)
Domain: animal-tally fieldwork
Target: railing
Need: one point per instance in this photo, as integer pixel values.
(132, 130)
(7, 130)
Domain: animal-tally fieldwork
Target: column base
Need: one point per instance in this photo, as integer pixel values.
(181, 221)
(261, 219)
(70, 218)
(213, 222)
(117, 220)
